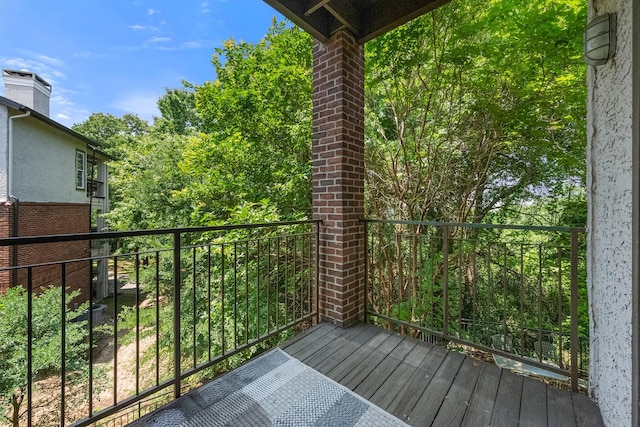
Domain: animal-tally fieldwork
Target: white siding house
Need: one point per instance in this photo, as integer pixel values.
(51, 179)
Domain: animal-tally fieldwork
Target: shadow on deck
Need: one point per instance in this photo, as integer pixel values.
(428, 385)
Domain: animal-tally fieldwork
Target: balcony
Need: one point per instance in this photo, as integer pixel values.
(204, 300)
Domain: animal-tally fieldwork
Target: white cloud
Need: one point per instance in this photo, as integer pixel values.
(204, 7)
(54, 62)
(61, 116)
(136, 27)
(152, 12)
(61, 100)
(90, 54)
(144, 105)
(159, 40)
(191, 45)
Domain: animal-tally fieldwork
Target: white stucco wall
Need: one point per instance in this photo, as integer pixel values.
(609, 186)
(44, 163)
(4, 132)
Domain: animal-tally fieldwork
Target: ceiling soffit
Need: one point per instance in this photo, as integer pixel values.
(365, 19)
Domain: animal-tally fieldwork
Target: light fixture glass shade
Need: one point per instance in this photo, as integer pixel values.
(600, 39)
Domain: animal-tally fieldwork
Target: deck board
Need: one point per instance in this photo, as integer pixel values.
(425, 385)
(381, 373)
(433, 396)
(533, 411)
(560, 408)
(506, 410)
(457, 400)
(400, 377)
(404, 402)
(484, 397)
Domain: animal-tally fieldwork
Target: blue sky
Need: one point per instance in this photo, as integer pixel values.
(117, 56)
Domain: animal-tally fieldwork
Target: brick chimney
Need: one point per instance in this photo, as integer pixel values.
(27, 88)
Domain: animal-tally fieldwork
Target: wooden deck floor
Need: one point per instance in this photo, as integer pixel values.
(427, 385)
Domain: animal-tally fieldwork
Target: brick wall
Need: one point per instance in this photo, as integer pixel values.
(39, 219)
(338, 175)
(6, 230)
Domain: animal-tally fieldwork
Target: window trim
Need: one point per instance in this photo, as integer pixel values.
(82, 183)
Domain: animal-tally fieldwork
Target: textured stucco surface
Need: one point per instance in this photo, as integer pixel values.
(44, 163)
(609, 185)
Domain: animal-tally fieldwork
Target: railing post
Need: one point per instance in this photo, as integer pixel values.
(366, 269)
(574, 310)
(317, 284)
(176, 314)
(29, 344)
(445, 280)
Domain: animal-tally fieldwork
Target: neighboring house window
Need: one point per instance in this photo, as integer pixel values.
(81, 170)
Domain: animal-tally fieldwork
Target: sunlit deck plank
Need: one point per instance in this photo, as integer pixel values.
(430, 385)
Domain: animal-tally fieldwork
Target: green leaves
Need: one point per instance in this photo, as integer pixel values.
(474, 107)
(47, 325)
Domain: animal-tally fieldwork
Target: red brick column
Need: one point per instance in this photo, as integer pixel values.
(338, 175)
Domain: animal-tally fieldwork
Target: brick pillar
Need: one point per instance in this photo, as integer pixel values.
(338, 175)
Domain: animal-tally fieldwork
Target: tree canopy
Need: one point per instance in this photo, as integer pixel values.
(473, 109)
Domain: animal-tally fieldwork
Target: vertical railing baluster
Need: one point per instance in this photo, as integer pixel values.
(157, 317)
(522, 322)
(285, 279)
(574, 310)
(489, 283)
(294, 276)
(268, 284)
(474, 288)
(176, 314)
(432, 281)
(137, 265)
(90, 338)
(115, 330)
(421, 273)
(317, 278)
(63, 345)
(194, 273)
(258, 270)
(560, 310)
(504, 292)
(445, 280)
(540, 293)
(235, 295)
(29, 344)
(222, 297)
(246, 292)
(277, 287)
(367, 285)
(209, 300)
(461, 287)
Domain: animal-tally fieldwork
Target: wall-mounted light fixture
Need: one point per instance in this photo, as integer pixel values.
(600, 39)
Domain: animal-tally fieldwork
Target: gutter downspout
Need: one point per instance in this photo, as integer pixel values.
(10, 196)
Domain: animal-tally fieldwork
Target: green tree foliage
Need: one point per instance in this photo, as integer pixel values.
(474, 107)
(145, 184)
(257, 119)
(111, 132)
(47, 325)
(178, 111)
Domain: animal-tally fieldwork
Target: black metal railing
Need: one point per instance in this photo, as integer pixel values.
(515, 291)
(186, 305)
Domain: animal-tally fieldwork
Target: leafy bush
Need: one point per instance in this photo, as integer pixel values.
(47, 326)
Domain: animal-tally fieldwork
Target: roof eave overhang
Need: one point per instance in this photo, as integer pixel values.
(365, 19)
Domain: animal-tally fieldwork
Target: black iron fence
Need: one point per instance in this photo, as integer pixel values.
(186, 305)
(517, 292)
